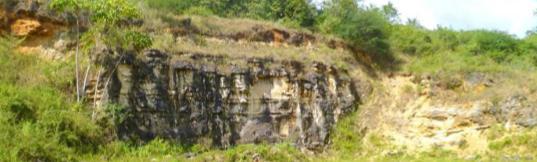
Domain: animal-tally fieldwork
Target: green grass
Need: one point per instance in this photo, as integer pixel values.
(453, 62)
(346, 137)
(126, 151)
(522, 142)
(38, 121)
(162, 150)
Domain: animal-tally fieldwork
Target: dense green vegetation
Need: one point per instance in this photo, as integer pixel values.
(364, 27)
(38, 121)
(478, 50)
(109, 22)
(297, 13)
(41, 121)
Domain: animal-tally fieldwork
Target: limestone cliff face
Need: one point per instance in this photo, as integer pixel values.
(196, 98)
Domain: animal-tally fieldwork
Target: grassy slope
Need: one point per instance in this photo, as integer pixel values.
(37, 119)
(209, 40)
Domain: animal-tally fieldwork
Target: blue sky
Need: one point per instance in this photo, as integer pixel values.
(513, 16)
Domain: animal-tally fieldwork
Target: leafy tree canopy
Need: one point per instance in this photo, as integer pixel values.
(106, 17)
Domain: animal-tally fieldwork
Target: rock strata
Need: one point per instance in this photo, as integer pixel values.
(195, 98)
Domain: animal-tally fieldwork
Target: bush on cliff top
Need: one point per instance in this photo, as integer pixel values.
(297, 13)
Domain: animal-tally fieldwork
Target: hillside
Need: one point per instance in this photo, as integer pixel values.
(257, 81)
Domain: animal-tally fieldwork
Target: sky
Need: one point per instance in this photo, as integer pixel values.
(512, 16)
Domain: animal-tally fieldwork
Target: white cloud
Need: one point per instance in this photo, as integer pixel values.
(513, 16)
(317, 2)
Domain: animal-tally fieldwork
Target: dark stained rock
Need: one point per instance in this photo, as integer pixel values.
(192, 98)
(517, 110)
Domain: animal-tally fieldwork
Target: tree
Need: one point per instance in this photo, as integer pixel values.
(410, 39)
(106, 18)
(366, 28)
(292, 12)
(391, 12)
(497, 45)
(72, 6)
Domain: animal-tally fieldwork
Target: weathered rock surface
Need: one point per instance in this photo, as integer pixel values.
(29, 18)
(196, 98)
(516, 110)
(419, 113)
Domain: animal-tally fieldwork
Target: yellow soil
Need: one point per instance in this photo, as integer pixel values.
(25, 27)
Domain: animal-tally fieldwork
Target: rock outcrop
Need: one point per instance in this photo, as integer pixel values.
(516, 110)
(30, 18)
(421, 113)
(195, 98)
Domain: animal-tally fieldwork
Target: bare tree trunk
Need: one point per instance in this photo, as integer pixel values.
(76, 61)
(84, 84)
(96, 88)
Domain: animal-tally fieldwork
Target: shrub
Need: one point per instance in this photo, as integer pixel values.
(37, 122)
(297, 13)
(365, 28)
(522, 143)
(411, 40)
(39, 125)
(497, 45)
(450, 51)
(346, 138)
